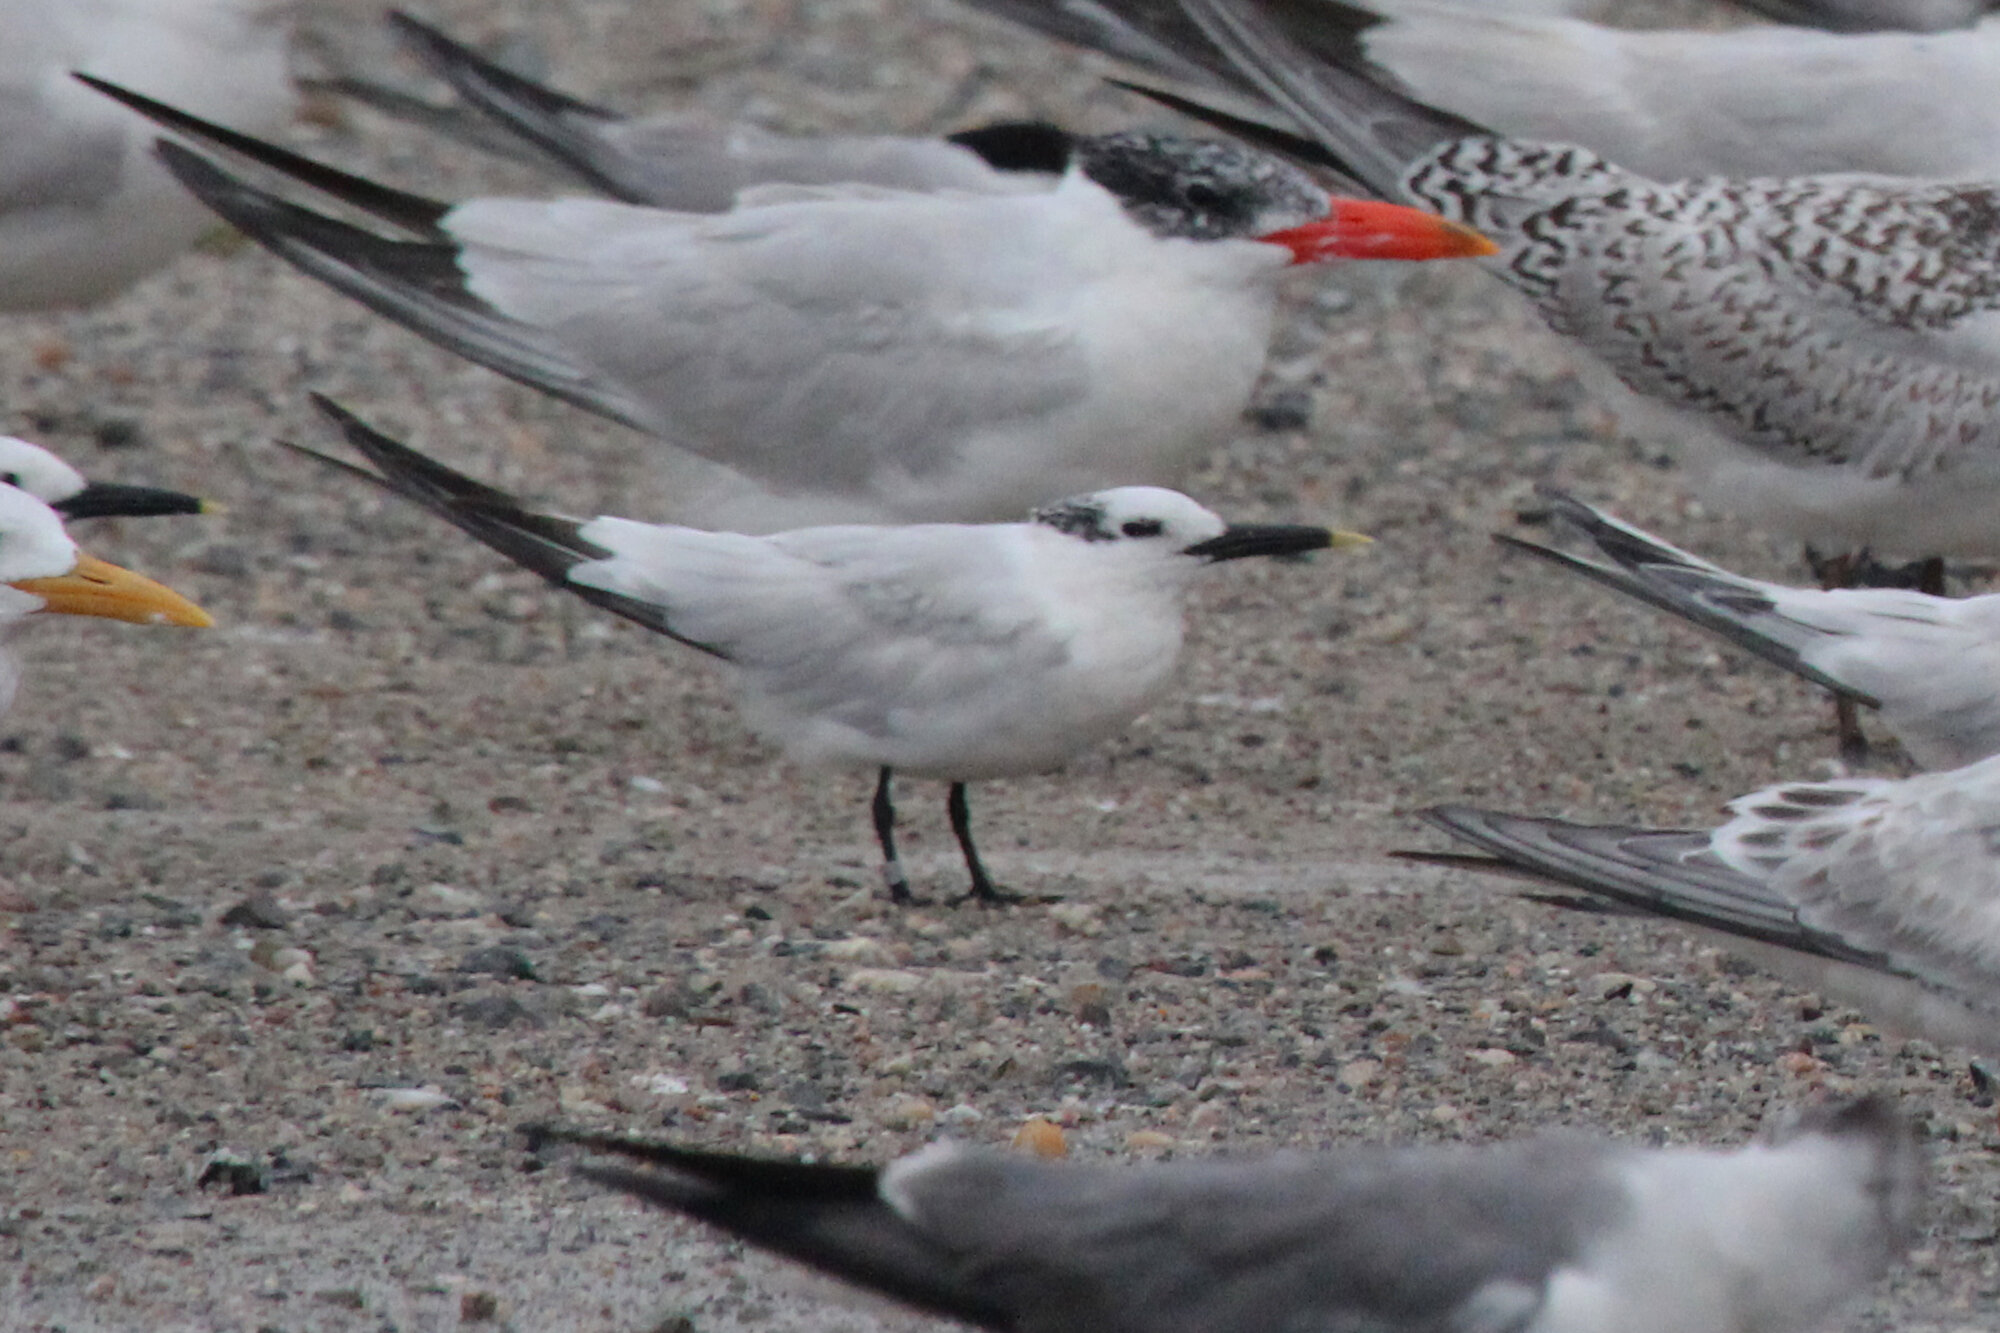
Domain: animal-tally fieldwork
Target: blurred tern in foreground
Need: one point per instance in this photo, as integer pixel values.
(1827, 342)
(85, 210)
(1876, 892)
(949, 651)
(1665, 103)
(1930, 664)
(1557, 1234)
(43, 572)
(861, 353)
(31, 468)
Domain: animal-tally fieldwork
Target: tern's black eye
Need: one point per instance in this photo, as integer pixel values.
(1142, 527)
(1206, 198)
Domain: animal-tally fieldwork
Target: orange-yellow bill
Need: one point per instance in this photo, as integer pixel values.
(99, 588)
(1367, 229)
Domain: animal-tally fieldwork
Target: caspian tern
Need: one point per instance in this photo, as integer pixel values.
(949, 651)
(1875, 892)
(85, 210)
(1556, 1234)
(43, 572)
(860, 352)
(33, 469)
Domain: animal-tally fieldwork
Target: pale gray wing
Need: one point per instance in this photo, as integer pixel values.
(1873, 15)
(1743, 611)
(691, 162)
(850, 625)
(53, 162)
(1368, 1241)
(813, 344)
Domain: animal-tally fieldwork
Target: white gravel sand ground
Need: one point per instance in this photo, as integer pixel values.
(407, 820)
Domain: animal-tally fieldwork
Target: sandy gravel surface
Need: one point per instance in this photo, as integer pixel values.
(409, 820)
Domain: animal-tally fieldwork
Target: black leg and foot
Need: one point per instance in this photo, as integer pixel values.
(885, 833)
(983, 889)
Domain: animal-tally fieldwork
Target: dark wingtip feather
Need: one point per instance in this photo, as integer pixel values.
(413, 212)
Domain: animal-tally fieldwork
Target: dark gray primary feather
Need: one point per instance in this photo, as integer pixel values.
(1674, 582)
(1873, 15)
(1664, 872)
(1363, 1241)
(559, 125)
(545, 544)
(416, 283)
(1299, 59)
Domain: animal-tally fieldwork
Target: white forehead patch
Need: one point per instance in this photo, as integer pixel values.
(37, 471)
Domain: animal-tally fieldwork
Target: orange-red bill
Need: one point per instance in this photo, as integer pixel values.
(1367, 229)
(99, 588)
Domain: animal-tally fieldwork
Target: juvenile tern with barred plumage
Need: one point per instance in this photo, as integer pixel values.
(949, 651)
(43, 572)
(1557, 1234)
(1875, 892)
(862, 353)
(1930, 664)
(1825, 345)
(85, 210)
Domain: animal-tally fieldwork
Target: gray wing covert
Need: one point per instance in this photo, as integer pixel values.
(1421, 1241)
(788, 342)
(53, 163)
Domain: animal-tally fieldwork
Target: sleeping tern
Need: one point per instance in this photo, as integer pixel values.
(85, 210)
(1875, 892)
(949, 651)
(862, 353)
(43, 572)
(1928, 663)
(31, 468)
(1823, 344)
(1561, 1233)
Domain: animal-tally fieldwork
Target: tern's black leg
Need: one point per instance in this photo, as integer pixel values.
(885, 833)
(1930, 576)
(961, 825)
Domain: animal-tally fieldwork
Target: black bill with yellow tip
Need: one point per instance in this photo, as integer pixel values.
(109, 499)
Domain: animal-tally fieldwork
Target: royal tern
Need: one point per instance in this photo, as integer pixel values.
(1928, 663)
(949, 651)
(1666, 103)
(43, 572)
(85, 210)
(865, 353)
(1876, 892)
(1557, 1234)
(55, 483)
(1822, 344)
